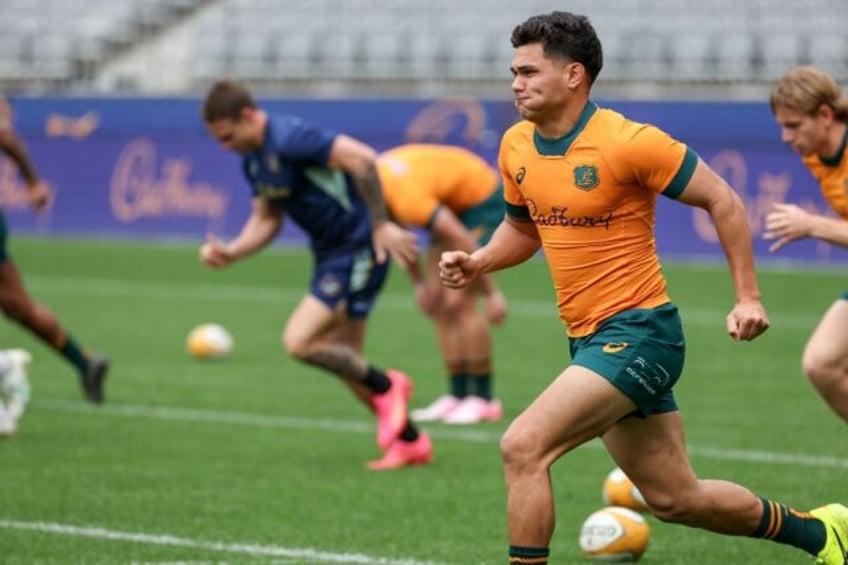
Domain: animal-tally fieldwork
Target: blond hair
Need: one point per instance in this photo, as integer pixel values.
(805, 88)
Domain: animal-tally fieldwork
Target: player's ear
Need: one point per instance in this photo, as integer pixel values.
(826, 111)
(575, 74)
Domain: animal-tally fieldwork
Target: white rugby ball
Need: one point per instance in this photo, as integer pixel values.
(614, 535)
(209, 341)
(619, 490)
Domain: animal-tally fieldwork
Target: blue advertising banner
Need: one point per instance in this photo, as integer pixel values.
(142, 167)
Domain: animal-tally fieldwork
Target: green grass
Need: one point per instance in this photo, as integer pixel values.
(257, 459)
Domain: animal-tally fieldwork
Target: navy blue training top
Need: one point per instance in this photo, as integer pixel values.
(290, 170)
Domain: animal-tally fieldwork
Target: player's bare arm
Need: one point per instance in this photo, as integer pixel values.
(788, 222)
(512, 243)
(708, 191)
(359, 160)
(451, 232)
(12, 145)
(38, 193)
(260, 228)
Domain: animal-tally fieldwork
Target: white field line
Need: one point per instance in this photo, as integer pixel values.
(308, 555)
(360, 427)
(162, 290)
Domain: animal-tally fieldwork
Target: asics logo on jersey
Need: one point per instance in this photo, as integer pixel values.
(519, 176)
(614, 347)
(586, 177)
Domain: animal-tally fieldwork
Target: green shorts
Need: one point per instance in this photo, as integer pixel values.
(640, 352)
(482, 219)
(845, 295)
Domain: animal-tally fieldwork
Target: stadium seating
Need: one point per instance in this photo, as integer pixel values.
(662, 41)
(354, 42)
(51, 44)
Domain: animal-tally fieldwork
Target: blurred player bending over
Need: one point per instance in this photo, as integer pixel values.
(327, 183)
(15, 302)
(813, 116)
(457, 197)
(581, 182)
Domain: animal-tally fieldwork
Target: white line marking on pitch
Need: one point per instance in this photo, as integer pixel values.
(163, 290)
(360, 427)
(256, 550)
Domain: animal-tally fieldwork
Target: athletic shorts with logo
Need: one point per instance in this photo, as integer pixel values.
(355, 278)
(639, 351)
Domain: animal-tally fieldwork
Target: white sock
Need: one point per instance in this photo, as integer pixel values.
(6, 363)
(7, 423)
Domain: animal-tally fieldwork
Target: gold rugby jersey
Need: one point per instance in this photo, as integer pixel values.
(419, 178)
(832, 176)
(592, 196)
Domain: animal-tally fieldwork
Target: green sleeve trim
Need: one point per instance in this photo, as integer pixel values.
(683, 176)
(518, 212)
(431, 220)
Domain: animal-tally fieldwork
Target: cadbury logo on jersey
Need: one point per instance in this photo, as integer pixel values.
(586, 177)
(559, 216)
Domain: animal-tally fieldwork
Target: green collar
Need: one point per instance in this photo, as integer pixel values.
(557, 147)
(836, 159)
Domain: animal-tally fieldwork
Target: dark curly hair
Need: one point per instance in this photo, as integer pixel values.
(563, 35)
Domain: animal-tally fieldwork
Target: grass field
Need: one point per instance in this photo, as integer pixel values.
(256, 459)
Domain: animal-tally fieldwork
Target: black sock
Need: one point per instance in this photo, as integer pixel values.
(458, 385)
(529, 555)
(482, 385)
(409, 433)
(72, 352)
(785, 525)
(376, 380)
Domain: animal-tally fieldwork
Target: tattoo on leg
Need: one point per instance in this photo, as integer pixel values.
(340, 360)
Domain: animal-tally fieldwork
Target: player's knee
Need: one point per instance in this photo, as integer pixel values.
(447, 312)
(458, 300)
(518, 452)
(296, 346)
(456, 314)
(662, 505)
(674, 507)
(821, 373)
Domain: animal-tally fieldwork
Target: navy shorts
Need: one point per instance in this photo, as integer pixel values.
(355, 278)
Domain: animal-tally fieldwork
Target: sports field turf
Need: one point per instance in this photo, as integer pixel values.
(256, 459)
